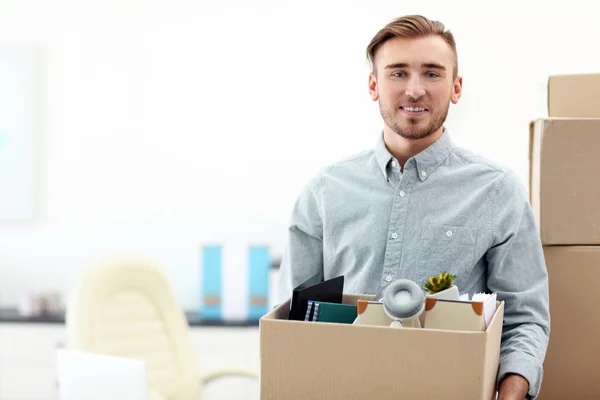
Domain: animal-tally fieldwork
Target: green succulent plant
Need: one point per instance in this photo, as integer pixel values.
(439, 282)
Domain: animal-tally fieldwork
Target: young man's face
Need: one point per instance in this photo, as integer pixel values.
(414, 84)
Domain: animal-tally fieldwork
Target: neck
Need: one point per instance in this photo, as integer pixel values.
(403, 149)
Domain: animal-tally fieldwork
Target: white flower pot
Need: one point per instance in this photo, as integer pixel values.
(447, 294)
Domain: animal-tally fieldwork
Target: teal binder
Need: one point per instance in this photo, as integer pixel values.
(210, 300)
(259, 268)
(322, 311)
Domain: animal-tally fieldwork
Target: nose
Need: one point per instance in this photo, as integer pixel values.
(415, 88)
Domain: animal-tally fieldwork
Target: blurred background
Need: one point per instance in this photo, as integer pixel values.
(156, 128)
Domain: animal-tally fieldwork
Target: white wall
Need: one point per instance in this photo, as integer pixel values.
(165, 124)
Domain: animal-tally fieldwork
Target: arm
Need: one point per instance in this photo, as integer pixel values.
(303, 255)
(517, 272)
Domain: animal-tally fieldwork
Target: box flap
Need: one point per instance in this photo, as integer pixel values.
(492, 349)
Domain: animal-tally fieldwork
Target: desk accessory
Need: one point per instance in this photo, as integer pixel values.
(404, 302)
(442, 286)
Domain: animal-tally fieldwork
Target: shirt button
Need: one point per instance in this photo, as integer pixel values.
(388, 278)
(449, 233)
(394, 164)
(402, 193)
(423, 173)
(394, 235)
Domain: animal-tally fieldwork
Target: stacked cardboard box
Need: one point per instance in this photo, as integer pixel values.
(565, 195)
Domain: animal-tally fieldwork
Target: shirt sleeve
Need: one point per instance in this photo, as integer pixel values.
(303, 256)
(517, 273)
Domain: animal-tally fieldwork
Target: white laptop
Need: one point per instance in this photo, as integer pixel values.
(88, 376)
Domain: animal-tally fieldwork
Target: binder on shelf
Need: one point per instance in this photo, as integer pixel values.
(211, 273)
(259, 264)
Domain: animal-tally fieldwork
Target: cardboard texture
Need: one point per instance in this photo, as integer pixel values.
(574, 96)
(572, 367)
(302, 360)
(564, 189)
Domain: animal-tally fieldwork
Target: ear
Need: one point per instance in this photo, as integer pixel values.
(456, 90)
(373, 91)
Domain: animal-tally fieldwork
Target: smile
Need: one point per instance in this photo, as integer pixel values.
(413, 110)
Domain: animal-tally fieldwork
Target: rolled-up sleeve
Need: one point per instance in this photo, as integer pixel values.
(303, 255)
(517, 273)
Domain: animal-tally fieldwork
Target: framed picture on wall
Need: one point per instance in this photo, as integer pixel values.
(18, 124)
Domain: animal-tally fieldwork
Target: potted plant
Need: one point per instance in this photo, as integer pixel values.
(441, 286)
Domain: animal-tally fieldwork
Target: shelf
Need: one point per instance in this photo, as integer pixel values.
(11, 315)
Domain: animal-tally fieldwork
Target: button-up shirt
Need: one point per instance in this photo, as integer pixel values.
(448, 209)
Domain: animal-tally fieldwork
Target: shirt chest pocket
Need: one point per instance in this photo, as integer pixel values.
(446, 248)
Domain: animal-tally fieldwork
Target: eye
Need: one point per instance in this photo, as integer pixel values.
(432, 75)
(398, 74)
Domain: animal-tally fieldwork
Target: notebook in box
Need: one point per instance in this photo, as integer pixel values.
(330, 290)
(322, 311)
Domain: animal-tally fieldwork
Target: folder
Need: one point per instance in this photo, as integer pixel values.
(322, 311)
(473, 315)
(371, 313)
(330, 290)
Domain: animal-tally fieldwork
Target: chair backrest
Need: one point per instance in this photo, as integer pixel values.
(126, 307)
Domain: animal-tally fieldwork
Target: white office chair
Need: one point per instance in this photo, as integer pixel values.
(127, 308)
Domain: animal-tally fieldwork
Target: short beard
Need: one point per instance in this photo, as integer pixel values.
(436, 122)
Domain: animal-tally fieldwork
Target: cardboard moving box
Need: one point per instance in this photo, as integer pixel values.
(307, 360)
(575, 95)
(564, 185)
(572, 366)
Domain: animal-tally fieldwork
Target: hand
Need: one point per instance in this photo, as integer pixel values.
(513, 387)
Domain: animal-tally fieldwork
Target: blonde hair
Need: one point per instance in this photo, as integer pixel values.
(411, 26)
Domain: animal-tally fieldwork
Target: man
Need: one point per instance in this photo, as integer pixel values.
(417, 205)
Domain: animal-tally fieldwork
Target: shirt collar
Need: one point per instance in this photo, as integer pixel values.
(426, 161)
(382, 155)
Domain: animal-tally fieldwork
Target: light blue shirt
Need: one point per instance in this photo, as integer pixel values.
(449, 210)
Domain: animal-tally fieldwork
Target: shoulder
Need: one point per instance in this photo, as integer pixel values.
(471, 158)
(505, 180)
(348, 163)
(343, 167)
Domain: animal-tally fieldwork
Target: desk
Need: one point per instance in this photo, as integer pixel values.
(27, 345)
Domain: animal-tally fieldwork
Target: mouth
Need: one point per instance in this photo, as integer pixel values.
(414, 110)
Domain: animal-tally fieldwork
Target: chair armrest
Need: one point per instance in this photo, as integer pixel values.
(227, 373)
